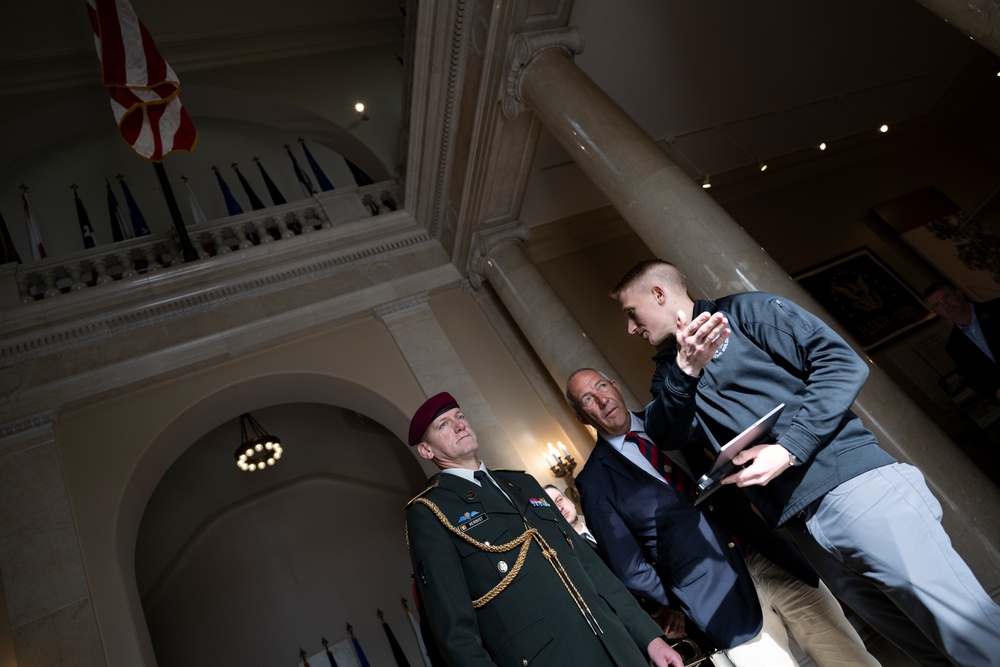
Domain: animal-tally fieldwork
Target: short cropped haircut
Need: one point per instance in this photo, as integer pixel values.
(665, 271)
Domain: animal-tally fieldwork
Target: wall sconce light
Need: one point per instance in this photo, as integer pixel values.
(562, 465)
(258, 449)
(360, 108)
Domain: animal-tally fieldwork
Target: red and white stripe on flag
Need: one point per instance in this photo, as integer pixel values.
(143, 87)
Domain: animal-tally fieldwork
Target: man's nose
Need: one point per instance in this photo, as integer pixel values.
(631, 326)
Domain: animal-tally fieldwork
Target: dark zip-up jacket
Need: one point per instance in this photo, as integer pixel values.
(777, 353)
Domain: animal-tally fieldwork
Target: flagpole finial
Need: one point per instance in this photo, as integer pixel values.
(119, 177)
(214, 168)
(405, 606)
(287, 147)
(350, 629)
(324, 642)
(234, 166)
(301, 140)
(256, 159)
(184, 178)
(23, 188)
(74, 187)
(381, 616)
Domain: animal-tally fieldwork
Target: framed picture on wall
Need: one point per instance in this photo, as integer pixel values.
(963, 248)
(872, 302)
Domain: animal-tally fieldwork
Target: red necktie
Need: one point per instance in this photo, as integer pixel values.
(675, 477)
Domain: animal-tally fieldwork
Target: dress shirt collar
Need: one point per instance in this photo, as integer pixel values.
(618, 441)
(468, 475)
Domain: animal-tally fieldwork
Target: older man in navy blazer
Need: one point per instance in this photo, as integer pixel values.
(679, 557)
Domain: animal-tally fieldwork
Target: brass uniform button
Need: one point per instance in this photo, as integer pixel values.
(731, 545)
(524, 662)
(711, 507)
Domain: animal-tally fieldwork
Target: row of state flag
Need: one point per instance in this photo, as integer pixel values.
(348, 652)
(136, 225)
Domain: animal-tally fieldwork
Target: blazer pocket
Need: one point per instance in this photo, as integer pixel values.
(688, 574)
(521, 646)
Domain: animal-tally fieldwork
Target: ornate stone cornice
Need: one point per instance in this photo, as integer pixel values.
(523, 49)
(485, 241)
(393, 310)
(36, 424)
(84, 331)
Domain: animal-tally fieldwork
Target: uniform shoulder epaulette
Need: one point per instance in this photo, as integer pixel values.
(414, 498)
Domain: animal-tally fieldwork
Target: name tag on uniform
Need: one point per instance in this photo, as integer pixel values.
(467, 522)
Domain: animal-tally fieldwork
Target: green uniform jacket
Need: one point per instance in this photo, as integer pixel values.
(534, 620)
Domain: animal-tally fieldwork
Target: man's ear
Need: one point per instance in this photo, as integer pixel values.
(658, 294)
(424, 450)
(580, 418)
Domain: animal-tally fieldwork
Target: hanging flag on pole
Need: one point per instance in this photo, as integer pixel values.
(8, 253)
(35, 234)
(326, 644)
(360, 177)
(307, 185)
(232, 206)
(196, 211)
(139, 226)
(255, 202)
(397, 650)
(86, 229)
(276, 197)
(415, 625)
(143, 87)
(357, 647)
(321, 178)
(119, 230)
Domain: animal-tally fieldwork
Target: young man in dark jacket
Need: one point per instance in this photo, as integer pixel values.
(869, 524)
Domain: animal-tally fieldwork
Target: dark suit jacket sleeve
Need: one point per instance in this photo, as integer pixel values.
(442, 589)
(975, 367)
(621, 551)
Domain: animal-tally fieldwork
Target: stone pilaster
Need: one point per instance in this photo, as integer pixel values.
(437, 367)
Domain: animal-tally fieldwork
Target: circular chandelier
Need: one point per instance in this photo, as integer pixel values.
(258, 449)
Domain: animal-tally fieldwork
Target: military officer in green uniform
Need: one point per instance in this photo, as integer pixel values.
(502, 578)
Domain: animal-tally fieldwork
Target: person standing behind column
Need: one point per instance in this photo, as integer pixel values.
(974, 343)
(502, 578)
(869, 525)
(650, 533)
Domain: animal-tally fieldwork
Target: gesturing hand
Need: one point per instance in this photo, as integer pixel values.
(698, 340)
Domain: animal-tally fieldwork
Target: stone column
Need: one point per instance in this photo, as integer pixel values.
(554, 334)
(437, 367)
(976, 18)
(51, 615)
(682, 224)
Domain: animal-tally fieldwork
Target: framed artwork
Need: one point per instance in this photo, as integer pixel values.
(872, 302)
(963, 248)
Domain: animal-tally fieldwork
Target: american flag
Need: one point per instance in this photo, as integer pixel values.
(143, 87)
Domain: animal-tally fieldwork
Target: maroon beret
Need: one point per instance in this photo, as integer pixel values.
(433, 407)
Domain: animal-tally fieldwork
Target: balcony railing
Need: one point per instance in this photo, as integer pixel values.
(88, 269)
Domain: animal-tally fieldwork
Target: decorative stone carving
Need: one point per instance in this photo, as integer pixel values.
(523, 49)
(485, 241)
(400, 308)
